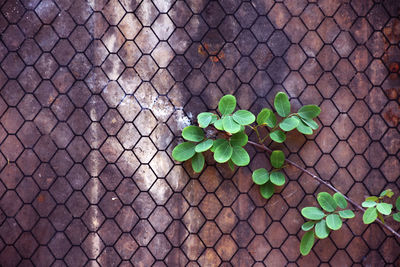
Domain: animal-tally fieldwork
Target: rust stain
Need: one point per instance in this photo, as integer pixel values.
(40, 198)
(392, 93)
(391, 117)
(394, 67)
(204, 51)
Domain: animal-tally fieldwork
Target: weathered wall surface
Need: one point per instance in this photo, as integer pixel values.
(94, 93)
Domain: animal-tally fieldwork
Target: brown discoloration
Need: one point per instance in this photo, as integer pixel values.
(391, 117)
(206, 50)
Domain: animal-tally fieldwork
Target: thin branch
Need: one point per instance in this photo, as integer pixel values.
(327, 184)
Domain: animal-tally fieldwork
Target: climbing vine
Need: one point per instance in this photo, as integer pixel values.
(228, 144)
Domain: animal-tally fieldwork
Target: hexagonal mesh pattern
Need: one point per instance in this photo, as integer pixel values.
(94, 95)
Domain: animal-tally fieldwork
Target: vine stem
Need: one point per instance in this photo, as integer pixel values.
(390, 229)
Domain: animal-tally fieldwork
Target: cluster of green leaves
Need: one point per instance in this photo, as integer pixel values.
(225, 150)
(321, 222)
(377, 208)
(302, 121)
(230, 149)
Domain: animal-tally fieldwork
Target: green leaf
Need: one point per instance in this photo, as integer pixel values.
(304, 129)
(230, 125)
(289, 124)
(205, 118)
(309, 111)
(307, 242)
(312, 213)
(398, 203)
(307, 226)
(240, 156)
(239, 139)
(244, 117)
(198, 162)
(340, 200)
(370, 215)
(263, 116)
(231, 165)
(260, 176)
(396, 216)
(227, 104)
(384, 208)
(217, 143)
(184, 151)
(387, 193)
(326, 201)
(346, 214)
(373, 198)
(321, 230)
(368, 204)
(204, 146)
(219, 125)
(271, 120)
(277, 158)
(278, 136)
(311, 123)
(193, 133)
(267, 190)
(380, 216)
(333, 221)
(282, 104)
(223, 152)
(277, 178)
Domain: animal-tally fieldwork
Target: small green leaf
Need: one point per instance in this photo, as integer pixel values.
(277, 158)
(240, 156)
(304, 129)
(346, 214)
(219, 125)
(198, 162)
(227, 104)
(278, 136)
(340, 200)
(396, 216)
(184, 151)
(267, 190)
(312, 213)
(193, 133)
(217, 143)
(307, 226)
(368, 204)
(260, 176)
(271, 120)
(231, 165)
(282, 104)
(204, 146)
(277, 178)
(373, 198)
(205, 118)
(321, 229)
(311, 123)
(326, 201)
(223, 152)
(333, 221)
(244, 117)
(380, 216)
(289, 124)
(307, 242)
(398, 203)
(370, 215)
(239, 139)
(384, 208)
(309, 111)
(387, 193)
(230, 125)
(263, 116)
